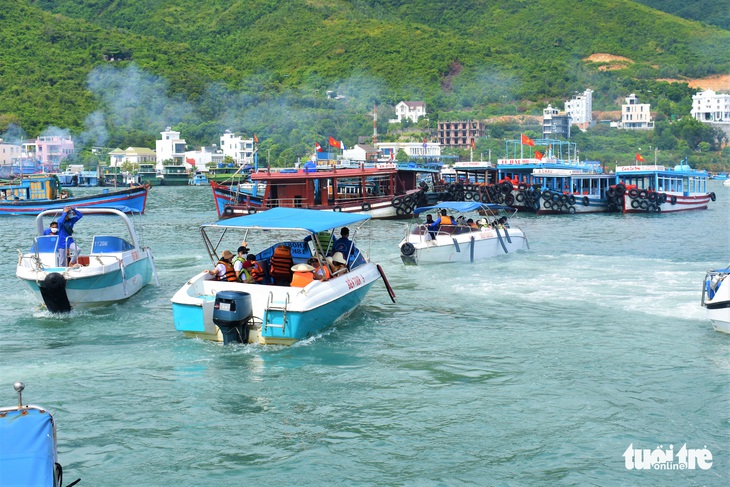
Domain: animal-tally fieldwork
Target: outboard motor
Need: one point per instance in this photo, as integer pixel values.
(231, 313)
(53, 292)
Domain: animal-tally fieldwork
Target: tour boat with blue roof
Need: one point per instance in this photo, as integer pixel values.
(716, 298)
(28, 445)
(34, 194)
(460, 241)
(116, 268)
(266, 313)
(555, 181)
(656, 188)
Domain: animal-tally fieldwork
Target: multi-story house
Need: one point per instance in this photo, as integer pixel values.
(555, 124)
(170, 148)
(133, 155)
(409, 110)
(460, 134)
(711, 107)
(580, 109)
(635, 115)
(49, 150)
(239, 149)
(9, 153)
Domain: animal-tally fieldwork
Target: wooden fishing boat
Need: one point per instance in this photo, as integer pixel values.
(34, 194)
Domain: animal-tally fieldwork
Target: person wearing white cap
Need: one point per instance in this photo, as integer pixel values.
(302, 275)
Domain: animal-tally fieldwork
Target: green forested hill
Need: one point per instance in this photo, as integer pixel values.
(710, 12)
(263, 65)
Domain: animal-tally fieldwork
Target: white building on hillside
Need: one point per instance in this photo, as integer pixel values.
(409, 110)
(580, 109)
(711, 107)
(635, 115)
(239, 149)
(170, 148)
(133, 155)
(415, 150)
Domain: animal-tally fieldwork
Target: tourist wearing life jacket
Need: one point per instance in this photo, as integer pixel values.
(280, 265)
(224, 268)
(257, 272)
(445, 219)
(321, 272)
(302, 275)
(242, 273)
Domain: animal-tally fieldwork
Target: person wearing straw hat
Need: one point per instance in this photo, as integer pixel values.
(339, 264)
(224, 268)
(302, 275)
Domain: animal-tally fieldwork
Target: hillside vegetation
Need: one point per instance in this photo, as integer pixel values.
(263, 66)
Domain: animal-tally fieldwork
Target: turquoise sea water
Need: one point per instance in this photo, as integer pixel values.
(538, 368)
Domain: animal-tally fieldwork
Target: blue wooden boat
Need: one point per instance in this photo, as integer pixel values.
(34, 194)
(28, 450)
(656, 188)
(266, 313)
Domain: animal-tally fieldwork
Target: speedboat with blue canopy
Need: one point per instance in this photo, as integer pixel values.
(271, 311)
(28, 453)
(716, 298)
(117, 266)
(457, 238)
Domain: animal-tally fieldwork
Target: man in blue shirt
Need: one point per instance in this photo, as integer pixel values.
(343, 244)
(66, 223)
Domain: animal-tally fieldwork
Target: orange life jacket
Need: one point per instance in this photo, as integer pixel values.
(446, 220)
(257, 272)
(301, 279)
(281, 263)
(230, 274)
(325, 270)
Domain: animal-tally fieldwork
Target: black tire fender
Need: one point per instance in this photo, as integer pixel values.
(407, 249)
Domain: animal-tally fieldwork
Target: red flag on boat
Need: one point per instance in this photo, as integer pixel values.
(538, 155)
(639, 158)
(527, 141)
(255, 139)
(318, 147)
(472, 143)
(334, 142)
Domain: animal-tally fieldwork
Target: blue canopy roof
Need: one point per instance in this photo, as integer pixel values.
(292, 219)
(461, 206)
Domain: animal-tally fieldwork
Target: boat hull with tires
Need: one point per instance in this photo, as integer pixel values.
(658, 189)
(382, 191)
(116, 267)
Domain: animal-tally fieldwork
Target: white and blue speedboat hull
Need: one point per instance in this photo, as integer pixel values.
(116, 268)
(282, 315)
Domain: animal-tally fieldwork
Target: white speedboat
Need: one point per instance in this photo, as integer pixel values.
(461, 242)
(726, 182)
(116, 268)
(716, 298)
(239, 312)
(28, 453)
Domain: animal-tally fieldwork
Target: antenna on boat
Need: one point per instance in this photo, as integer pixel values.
(19, 386)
